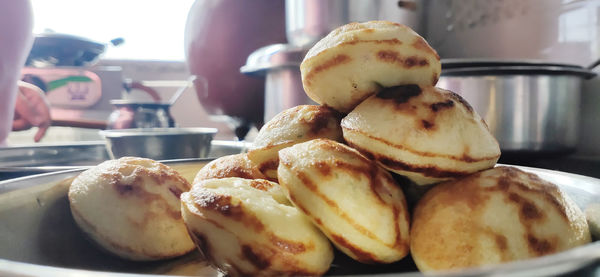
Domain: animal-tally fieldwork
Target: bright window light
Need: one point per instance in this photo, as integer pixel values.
(152, 29)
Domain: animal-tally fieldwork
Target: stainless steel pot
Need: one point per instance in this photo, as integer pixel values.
(279, 64)
(548, 30)
(307, 21)
(159, 143)
(528, 106)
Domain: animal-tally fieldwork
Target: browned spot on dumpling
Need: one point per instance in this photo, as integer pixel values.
(426, 124)
(310, 184)
(335, 61)
(261, 184)
(400, 94)
(125, 189)
(268, 166)
(540, 246)
(547, 191)
(435, 107)
(461, 100)
(420, 44)
(219, 203)
(400, 241)
(255, 258)
(382, 41)
(501, 242)
(175, 191)
(229, 166)
(395, 57)
(320, 120)
(395, 164)
(323, 168)
(389, 56)
(289, 246)
(415, 61)
(202, 244)
(434, 79)
(429, 171)
(224, 205)
(361, 256)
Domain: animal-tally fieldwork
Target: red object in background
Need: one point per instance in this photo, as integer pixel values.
(219, 36)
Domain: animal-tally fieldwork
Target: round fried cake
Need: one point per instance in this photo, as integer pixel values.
(229, 166)
(422, 132)
(131, 208)
(291, 126)
(494, 216)
(248, 228)
(356, 60)
(357, 204)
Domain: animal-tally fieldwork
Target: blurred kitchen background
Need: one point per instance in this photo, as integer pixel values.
(527, 66)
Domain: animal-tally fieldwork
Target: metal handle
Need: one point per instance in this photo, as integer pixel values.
(179, 92)
(594, 64)
(129, 85)
(408, 5)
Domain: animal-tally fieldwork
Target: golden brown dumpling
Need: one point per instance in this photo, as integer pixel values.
(422, 132)
(494, 216)
(229, 166)
(131, 207)
(248, 228)
(357, 204)
(356, 60)
(294, 125)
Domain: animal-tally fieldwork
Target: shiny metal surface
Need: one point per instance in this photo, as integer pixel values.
(159, 143)
(528, 106)
(549, 30)
(28, 160)
(273, 57)
(536, 113)
(283, 90)
(38, 237)
(279, 64)
(72, 154)
(307, 21)
(85, 153)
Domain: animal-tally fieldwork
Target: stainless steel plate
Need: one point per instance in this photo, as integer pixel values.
(38, 237)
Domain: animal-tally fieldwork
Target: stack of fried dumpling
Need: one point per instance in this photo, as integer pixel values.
(327, 174)
(332, 169)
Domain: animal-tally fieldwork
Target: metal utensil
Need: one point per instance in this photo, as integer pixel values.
(159, 143)
(529, 106)
(279, 64)
(179, 92)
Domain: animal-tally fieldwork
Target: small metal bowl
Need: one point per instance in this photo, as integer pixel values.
(159, 143)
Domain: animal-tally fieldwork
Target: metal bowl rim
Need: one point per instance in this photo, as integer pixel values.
(145, 132)
(562, 262)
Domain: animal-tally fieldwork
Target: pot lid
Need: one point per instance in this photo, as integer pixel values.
(273, 56)
(463, 67)
(55, 49)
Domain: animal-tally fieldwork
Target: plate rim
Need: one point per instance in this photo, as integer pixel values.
(558, 263)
